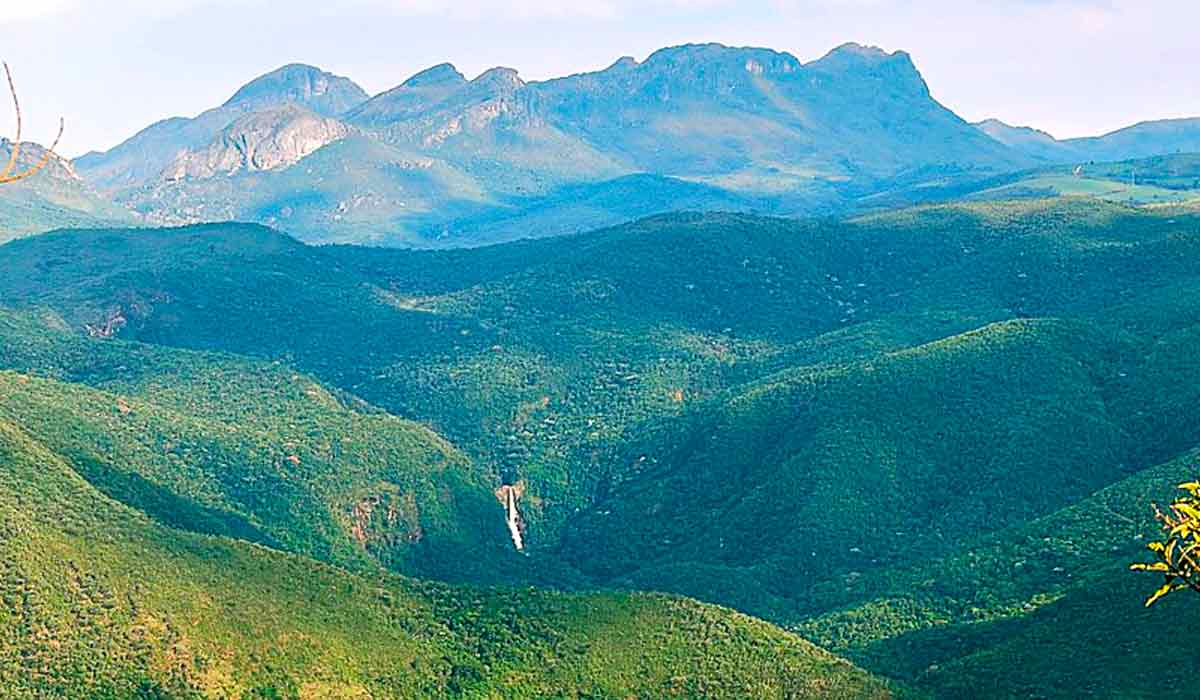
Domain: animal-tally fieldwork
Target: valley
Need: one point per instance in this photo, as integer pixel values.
(707, 373)
(840, 427)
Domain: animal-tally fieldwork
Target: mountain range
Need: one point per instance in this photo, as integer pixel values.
(1143, 140)
(903, 446)
(443, 160)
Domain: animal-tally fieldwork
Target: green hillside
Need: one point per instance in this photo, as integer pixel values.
(803, 420)
(856, 474)
(99, 601)
(986, 615)
(223, 446)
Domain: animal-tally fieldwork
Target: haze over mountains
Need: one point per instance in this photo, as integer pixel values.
(443, 160)
(1143, 140)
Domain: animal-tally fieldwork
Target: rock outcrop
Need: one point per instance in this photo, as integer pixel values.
(263, 140)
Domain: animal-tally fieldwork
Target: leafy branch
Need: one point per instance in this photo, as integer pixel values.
(1179, 551)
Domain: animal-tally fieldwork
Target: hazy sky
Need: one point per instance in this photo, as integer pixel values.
(1072, 67)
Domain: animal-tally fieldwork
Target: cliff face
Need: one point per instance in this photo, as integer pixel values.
(264, 140)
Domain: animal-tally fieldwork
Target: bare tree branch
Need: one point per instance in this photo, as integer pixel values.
(7, 175)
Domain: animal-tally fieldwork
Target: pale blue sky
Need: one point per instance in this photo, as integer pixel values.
(1073, 67)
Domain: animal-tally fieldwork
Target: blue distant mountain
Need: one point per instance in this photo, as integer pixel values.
(444, 160)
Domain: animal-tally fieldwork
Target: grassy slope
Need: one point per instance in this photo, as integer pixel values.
(1160, 180)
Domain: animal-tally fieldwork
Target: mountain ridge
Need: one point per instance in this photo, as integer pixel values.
(751, 121)
(55, 197)
(1144, 139)
(764, 130)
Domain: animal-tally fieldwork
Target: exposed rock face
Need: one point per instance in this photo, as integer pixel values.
(263, 140)
(386, 521)
(488, 98)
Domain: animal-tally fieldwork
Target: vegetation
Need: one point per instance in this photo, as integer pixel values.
(1028, 597)
(96, 600)
(920, 438)
(1166, 180)
(40, 191)
(1178, 551)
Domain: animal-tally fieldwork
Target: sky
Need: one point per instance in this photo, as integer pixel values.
(112, 67)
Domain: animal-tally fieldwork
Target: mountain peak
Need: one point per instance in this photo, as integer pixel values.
(441, 74)
(420, 92)
(857, 63)
(501, 76)
(863, 51)
(320, 91)
(1010, 135)
(992, 124)
(623, 63)
(755, 59)
(851, 56)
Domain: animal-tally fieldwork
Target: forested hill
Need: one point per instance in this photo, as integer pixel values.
(815, 422)
(100, 600)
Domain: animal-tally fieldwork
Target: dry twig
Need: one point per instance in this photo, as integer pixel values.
(7, 175)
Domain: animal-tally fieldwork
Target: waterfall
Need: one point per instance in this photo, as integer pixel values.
(513, 518)
(508, 495)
